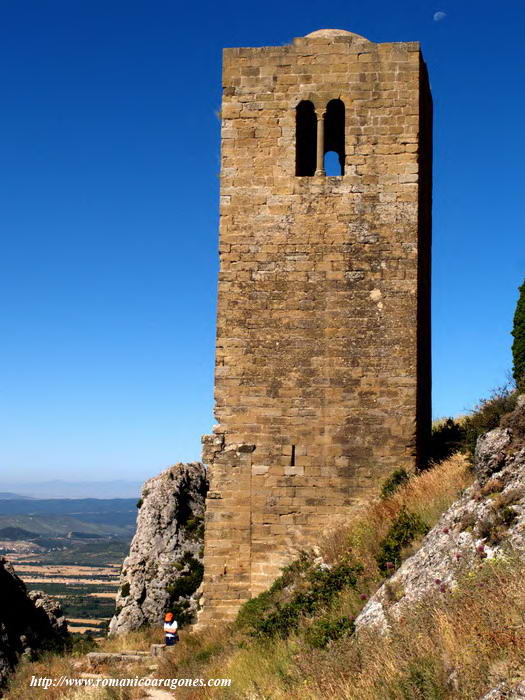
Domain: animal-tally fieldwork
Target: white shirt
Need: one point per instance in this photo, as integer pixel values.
(170, 628)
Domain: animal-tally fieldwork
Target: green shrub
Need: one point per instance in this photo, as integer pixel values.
(182, 612)
(291, 573)
(405, 528)
(488, 414)
(421, 681)
(183, 586)
(324, 631)
(189, 580)
(393, 482)
(323, 585)
(447, 437)
(79, 645)
(518, 332)
(254, 610)
(195, 527)
(139, 503)
(124, 591)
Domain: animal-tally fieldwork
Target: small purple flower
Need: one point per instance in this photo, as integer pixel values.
(437, 581)
(442, 588)
(389, 565)
(446, 530)
(363, 596)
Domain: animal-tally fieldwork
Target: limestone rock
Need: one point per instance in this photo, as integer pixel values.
(490, 454)
(486, 521)
(29, 621)
(506, 692)
(166, 551)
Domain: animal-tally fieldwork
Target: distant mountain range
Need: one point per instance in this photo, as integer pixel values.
(8, 496)
(71, 489)
(57, 517)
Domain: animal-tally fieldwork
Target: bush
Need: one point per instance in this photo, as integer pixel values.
(79, 645)
(124, 591)
(393, 482)
(323, 585)
(190, 578)
(324, 631)
(195, 527)
(421, 680)
(488, 414)
(405, 528)
(518, 332)
(447, 437)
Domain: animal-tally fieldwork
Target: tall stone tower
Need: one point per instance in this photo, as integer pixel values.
(322, 381)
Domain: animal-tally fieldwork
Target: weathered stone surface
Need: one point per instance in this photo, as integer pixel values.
(490, 452)
(29, 621)
(471, 530)
(506, 692)
(169, 526)
(322, 358)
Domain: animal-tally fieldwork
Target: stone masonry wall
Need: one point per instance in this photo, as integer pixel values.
(322, 380)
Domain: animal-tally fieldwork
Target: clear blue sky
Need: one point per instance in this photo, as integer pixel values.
(109, 153)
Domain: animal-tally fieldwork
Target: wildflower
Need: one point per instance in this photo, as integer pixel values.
(446, 530)
(389, 565)
(437, 581)
(442, 588)
(363, 596)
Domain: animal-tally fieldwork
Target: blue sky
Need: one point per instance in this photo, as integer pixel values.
(109, 155)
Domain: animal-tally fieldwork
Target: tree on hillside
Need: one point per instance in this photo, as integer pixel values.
(518, 331)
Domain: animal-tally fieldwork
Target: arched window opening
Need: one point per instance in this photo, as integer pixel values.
(334, 133)
(332, 165)
(305, 138)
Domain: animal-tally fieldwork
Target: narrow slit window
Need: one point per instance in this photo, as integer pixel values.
(305, 138)
(292, 458)
(334, 138)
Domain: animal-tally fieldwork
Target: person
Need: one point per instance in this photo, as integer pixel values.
(170, 629)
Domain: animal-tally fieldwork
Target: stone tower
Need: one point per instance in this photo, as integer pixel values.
(322, 380)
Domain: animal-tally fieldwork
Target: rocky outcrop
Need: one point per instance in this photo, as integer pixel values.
(164, 565)
(487, 521)
(29, 621)
(506, 692)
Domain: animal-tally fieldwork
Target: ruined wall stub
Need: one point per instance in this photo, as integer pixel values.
(322, 382)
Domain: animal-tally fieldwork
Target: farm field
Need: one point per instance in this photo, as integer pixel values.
(86, 593)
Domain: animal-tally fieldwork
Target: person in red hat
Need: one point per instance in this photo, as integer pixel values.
(170, 629)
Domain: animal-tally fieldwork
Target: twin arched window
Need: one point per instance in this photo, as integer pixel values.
(320, 141)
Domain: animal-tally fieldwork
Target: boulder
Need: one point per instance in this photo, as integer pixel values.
(164, 566)
(29, 621)
(485, 522)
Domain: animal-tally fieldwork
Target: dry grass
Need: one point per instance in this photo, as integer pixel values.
(427, 494)
(73, 665)
(434, 648)
(134, 641)
(459, 645)
(287, 668)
